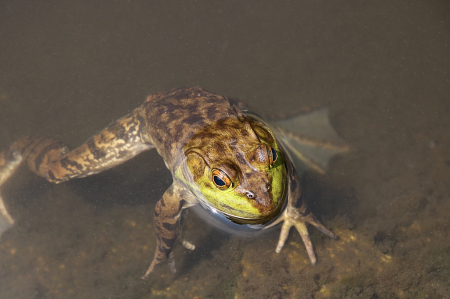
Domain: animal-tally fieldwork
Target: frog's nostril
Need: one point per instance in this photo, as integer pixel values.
(250, 195)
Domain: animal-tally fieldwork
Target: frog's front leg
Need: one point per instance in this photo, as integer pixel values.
(167, 224)
(298, 217)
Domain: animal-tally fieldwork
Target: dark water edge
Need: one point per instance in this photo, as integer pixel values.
(68, 69)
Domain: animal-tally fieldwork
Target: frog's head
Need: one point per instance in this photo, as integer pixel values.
(237, 167)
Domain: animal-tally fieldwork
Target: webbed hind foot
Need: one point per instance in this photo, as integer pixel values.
(297, 217)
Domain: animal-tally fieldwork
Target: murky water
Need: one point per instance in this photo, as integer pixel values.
(68, 69)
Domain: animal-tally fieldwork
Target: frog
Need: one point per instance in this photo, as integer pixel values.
(222, 157)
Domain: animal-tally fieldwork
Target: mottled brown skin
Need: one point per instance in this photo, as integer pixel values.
(175, 122)
(173, 118)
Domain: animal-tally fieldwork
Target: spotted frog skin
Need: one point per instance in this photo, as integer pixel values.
(218, 153)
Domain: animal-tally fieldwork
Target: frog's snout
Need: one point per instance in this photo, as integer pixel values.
(262, 197)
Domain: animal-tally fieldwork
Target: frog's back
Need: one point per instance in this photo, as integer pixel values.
(172, 118)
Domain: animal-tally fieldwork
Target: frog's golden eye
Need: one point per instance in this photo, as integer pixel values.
(221, 179)
(273, 156)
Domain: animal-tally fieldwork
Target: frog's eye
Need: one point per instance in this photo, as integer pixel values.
(273, 156)
(221, 180)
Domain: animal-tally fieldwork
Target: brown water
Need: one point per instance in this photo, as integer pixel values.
(67, 69)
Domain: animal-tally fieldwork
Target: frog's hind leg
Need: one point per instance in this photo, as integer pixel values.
(52, 160)
(114, 145)
(38, 152)
(11, 159)
(9, 162)
(311, 140)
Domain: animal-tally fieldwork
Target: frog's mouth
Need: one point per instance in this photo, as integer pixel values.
(253, 221)
(263, 220)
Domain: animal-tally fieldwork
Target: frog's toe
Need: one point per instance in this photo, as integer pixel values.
(9, 162)
(171, 263)
(294, 217)
(283, 235)
(157, 260)
(311, 219)
(186, 244)
(302, 230)
(6, 221)
(149, 270)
